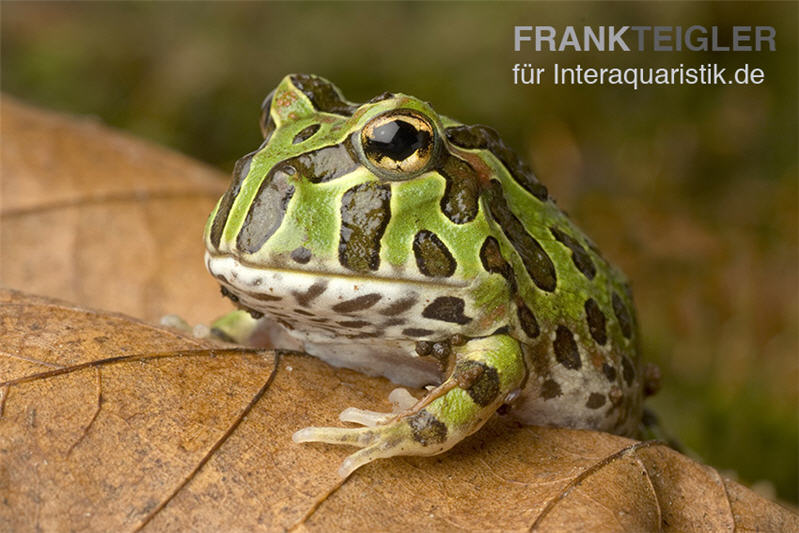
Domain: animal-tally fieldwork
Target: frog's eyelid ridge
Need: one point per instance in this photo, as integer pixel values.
(267, 122)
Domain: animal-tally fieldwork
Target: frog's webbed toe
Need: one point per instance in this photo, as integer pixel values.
(487, 370)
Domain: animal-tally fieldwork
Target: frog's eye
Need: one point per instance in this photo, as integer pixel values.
(399, 144)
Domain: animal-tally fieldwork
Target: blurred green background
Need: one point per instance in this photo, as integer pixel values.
(692, 190)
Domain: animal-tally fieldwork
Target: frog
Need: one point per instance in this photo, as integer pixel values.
(390, 239)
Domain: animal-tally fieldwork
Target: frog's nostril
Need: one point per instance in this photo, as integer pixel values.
(306, 133)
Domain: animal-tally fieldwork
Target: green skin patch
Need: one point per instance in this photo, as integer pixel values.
(385, 228)
(500, 352)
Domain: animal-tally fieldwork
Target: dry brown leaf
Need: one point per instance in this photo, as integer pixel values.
(111, 424)
(102, 219)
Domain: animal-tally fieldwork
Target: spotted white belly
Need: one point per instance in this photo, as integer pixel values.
(366, 324)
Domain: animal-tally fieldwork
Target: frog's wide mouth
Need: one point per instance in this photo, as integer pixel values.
(366, 305)
(246, 274)
(263, 288)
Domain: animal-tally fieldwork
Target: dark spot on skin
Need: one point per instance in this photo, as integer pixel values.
(527, 321)
(447, 309)
(365, 212)
(596, 321)
(441, 352)
(354, 323)
(462, 190)
(301, 255)
(504, 330)
(426, 429)
(580, 257)
(492, 260)
(394, 322)
(466, 374)
(325, 164)
(539, 356)
(609, 372)
(267, 209)
(432, 256)
(627, 370)
(320, 320)
(302, 312)
(486, 138)
(566, 351)
(418, 332)
(622, 315)
(459, 340)
(536, 261)
(305, 134)
(227, 294)
(357, 304)
(264, 297)
(550, 389)
(315, 290)
(380, 97)
(365, 335)
(324, 96)
(595, 401)
(240, 171)
(615, 395)
(479, 380)
(400, 306)
(424, 348)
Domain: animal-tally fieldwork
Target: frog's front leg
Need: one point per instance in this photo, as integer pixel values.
(235, 327)
(486, 371)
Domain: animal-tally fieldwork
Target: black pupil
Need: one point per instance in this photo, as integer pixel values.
(397, 139)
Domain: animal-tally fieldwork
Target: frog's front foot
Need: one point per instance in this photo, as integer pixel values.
(199, 331)
(235, 327)
(486, 371)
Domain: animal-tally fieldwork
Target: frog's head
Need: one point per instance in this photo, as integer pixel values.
(385, 190)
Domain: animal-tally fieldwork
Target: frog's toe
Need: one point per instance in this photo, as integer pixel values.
(401, 399)
(364, 417)
(380, 450)
(353, 436)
